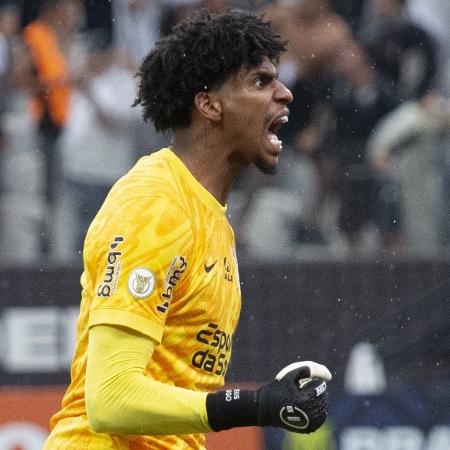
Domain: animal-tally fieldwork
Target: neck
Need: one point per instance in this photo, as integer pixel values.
(209, 161)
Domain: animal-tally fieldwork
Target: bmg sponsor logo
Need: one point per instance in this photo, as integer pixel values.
(176, 270)
(113, 265)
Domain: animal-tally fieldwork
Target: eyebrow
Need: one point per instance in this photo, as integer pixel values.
(266, 72)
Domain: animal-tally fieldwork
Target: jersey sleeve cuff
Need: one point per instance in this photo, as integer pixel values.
(129, 319)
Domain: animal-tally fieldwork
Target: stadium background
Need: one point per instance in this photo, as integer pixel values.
(376, 312)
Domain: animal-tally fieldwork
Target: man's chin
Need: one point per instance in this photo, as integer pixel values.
(265, 167)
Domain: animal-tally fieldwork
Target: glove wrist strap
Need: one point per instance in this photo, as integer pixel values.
(232, 408)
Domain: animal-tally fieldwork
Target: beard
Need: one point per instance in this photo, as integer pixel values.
(265, 167)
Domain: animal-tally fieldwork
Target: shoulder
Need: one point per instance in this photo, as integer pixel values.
(150, 178)
(148, 193)
(150, 220)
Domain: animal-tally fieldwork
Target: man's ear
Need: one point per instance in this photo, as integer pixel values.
(208, 106)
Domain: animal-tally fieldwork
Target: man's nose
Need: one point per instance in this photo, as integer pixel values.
(283, 94)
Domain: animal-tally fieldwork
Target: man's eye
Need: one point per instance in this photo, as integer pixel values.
(262, 81)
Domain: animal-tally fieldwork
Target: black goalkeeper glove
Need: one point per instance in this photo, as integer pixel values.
(297, 400)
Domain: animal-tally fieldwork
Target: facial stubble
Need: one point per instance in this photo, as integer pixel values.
(265, 167)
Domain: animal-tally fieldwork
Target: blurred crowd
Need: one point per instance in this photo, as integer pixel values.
(365, 168)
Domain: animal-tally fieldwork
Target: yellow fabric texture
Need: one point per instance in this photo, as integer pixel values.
(159, 259)
(122, 400)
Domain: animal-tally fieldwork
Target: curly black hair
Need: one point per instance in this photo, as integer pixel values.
(200, 54)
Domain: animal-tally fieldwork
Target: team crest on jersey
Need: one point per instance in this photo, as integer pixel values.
(141, 282)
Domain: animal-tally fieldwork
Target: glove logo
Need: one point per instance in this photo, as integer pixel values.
(321, 389)
(294, 417)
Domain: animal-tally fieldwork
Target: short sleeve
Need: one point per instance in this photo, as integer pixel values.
(139, 264)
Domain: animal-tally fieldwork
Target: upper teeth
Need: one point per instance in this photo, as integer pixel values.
(283, 119)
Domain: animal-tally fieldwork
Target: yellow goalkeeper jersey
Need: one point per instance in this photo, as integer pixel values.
(158, 258)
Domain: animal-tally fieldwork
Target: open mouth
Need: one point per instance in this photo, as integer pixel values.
(274, 128)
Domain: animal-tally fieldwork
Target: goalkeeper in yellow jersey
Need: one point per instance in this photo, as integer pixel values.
(160, 286)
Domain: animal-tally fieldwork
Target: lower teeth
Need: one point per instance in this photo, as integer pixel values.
(275, 141)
